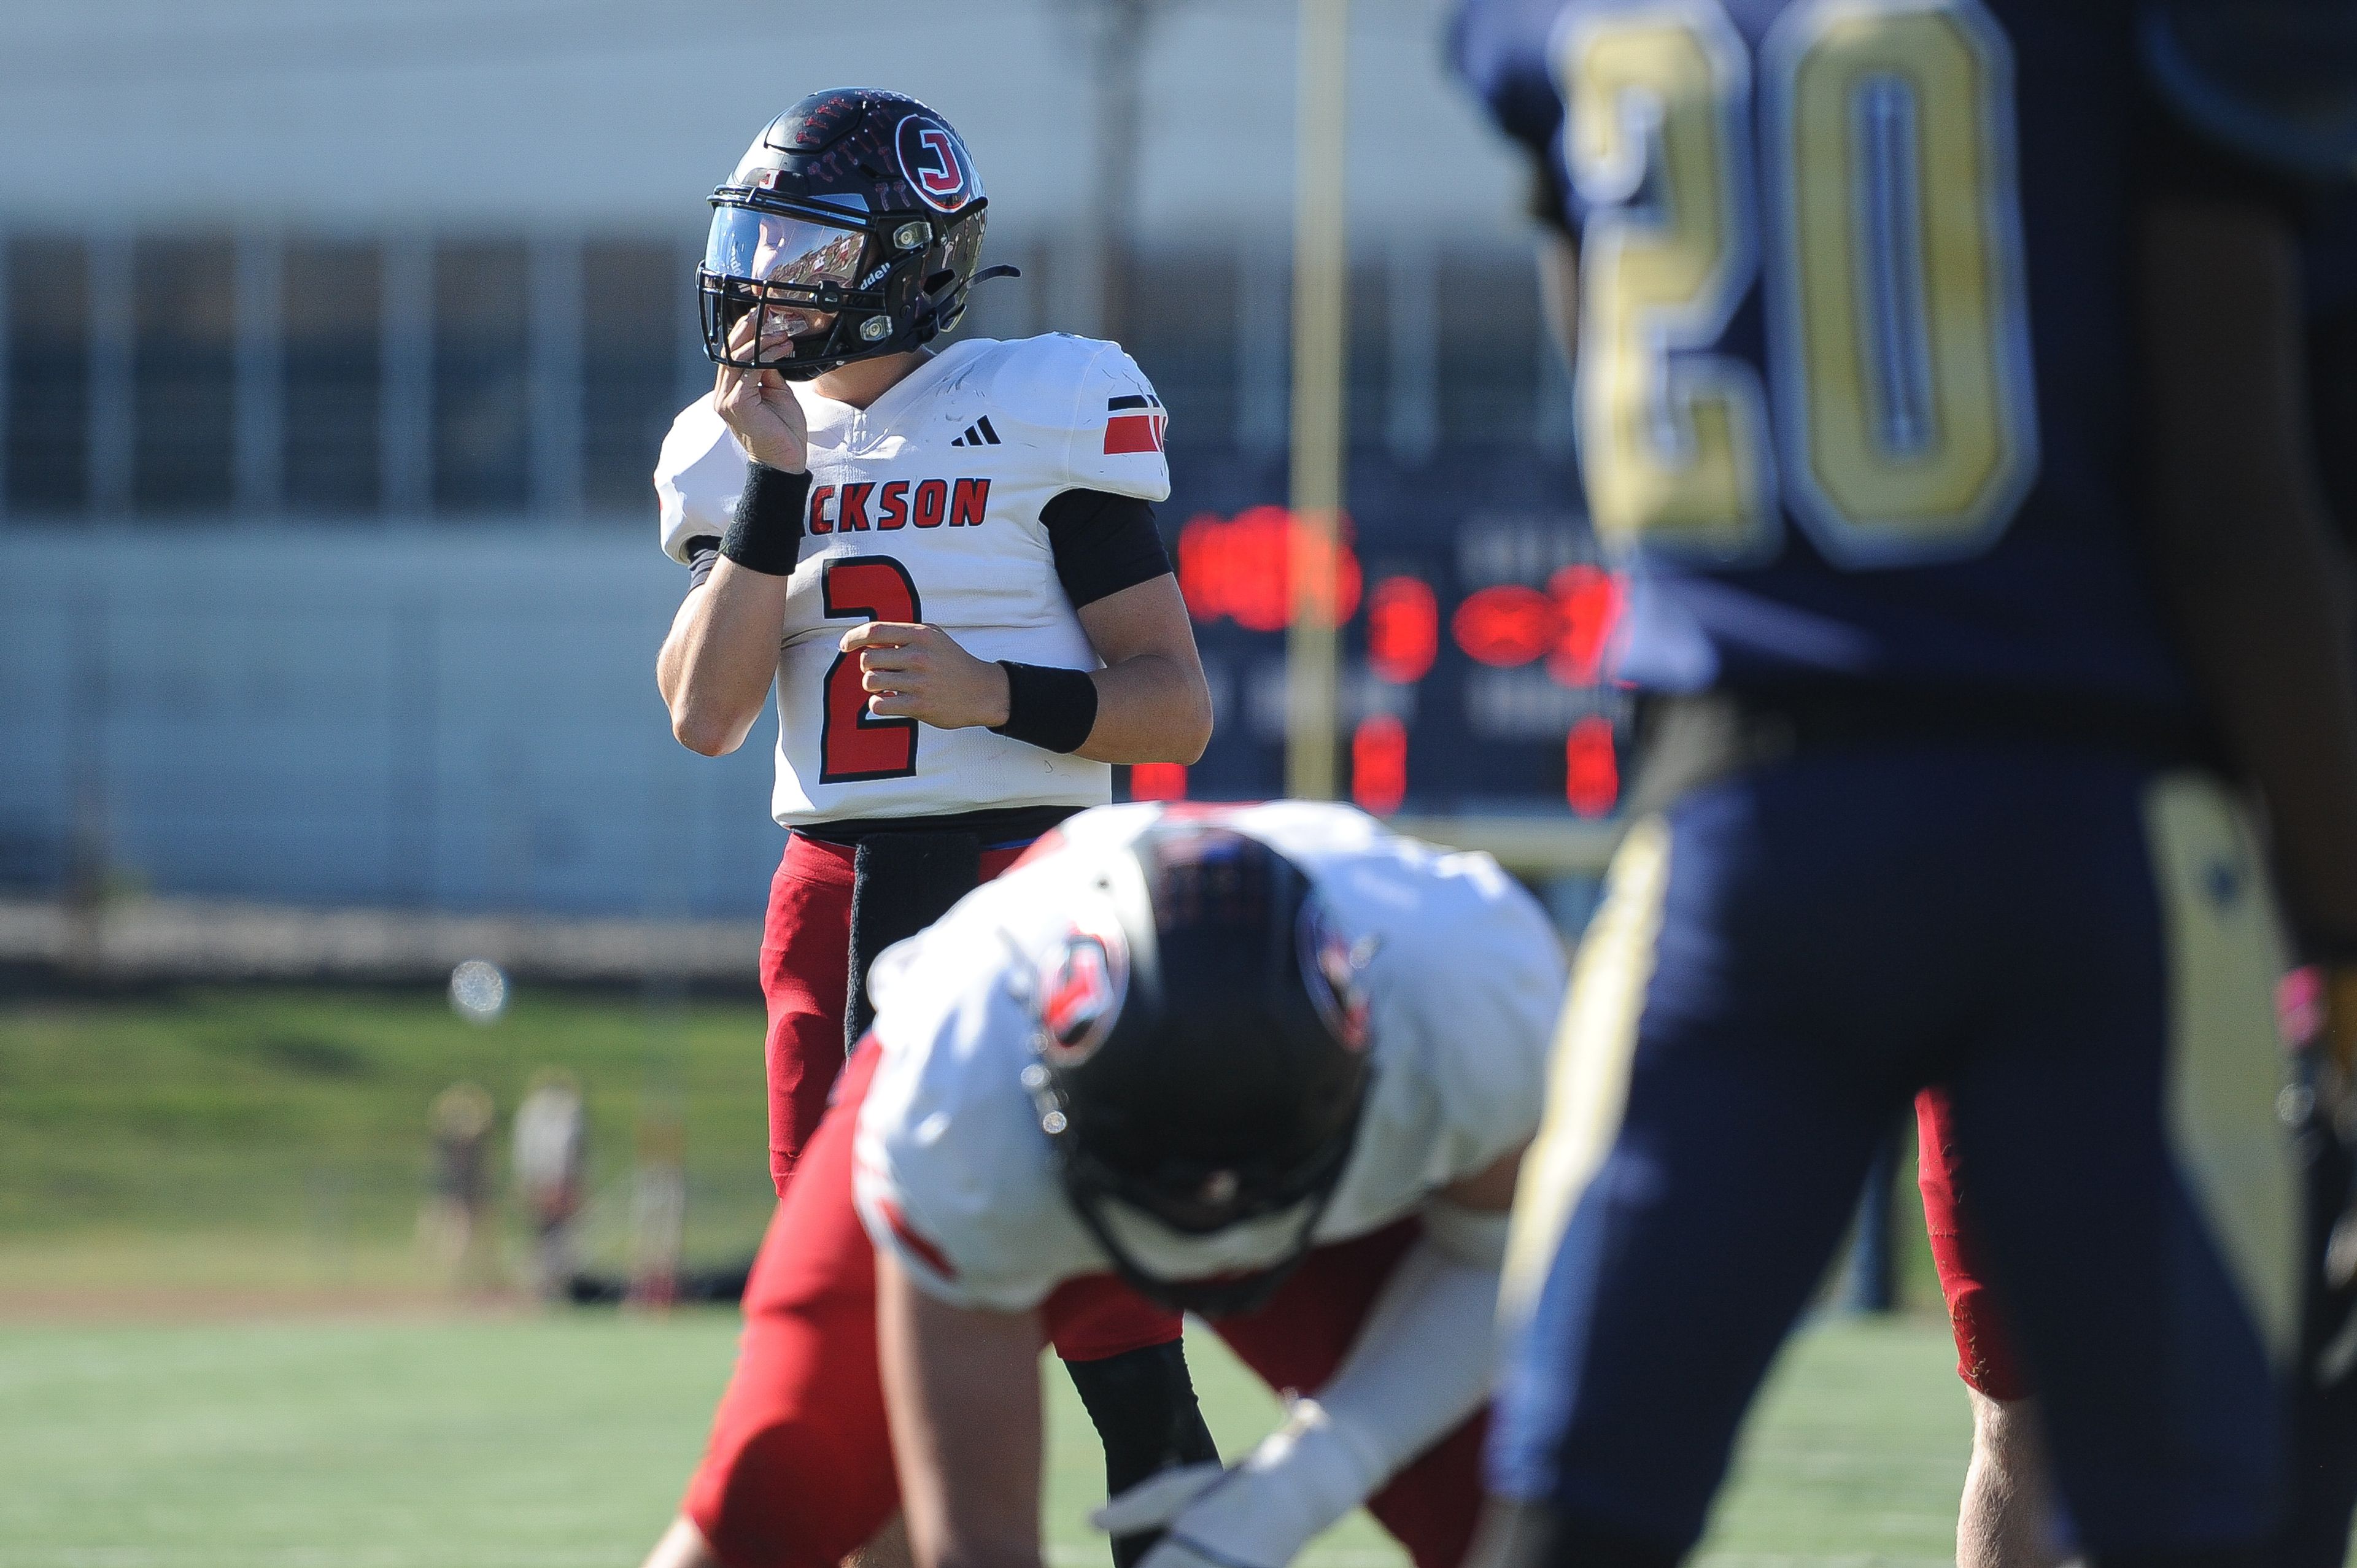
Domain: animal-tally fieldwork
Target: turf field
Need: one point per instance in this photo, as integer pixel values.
(270, 1143)
(275, 1139)
(191, 1176)
(532, 1443)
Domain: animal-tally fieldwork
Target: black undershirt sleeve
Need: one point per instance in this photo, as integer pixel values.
(702, 551)
(1102, 544)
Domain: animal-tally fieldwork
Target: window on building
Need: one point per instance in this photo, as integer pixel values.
(335, 375)
(631, 329)
(1366, 391)
(48, 457)
(184, 377)
(1180, 308)
(482, 418)
(1491, 339)
(1006, 308)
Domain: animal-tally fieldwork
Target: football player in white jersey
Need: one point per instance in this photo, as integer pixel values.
(1270, 1064)
(944, 562)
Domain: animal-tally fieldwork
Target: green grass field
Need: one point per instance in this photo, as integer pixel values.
(532, 1443)
(228, 1140)
(274, 1138)
(187, 1177)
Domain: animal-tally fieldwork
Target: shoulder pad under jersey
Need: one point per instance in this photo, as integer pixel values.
(1086, 407)
(696, 478)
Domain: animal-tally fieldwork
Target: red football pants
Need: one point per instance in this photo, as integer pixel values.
(799, 1468)
(1986, 1357)
(806, 980)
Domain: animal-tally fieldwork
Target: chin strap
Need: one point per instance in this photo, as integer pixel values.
(934, 321)
(931, 323)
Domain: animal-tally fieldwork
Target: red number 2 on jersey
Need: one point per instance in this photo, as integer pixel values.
(853, 742)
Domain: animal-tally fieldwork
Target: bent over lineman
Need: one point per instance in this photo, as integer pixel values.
(1271, 1064)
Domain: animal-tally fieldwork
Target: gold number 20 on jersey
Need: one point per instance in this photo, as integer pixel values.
(1884, 224)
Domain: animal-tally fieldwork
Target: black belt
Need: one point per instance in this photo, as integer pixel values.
(907, 873)
(995, 827)
(1686, 741)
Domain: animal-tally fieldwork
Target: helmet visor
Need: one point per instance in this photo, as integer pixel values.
(773, 248)
(788, 264)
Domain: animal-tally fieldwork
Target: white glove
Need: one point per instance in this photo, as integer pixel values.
(1301, 1479)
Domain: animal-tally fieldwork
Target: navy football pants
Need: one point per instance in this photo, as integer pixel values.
(2084, 948)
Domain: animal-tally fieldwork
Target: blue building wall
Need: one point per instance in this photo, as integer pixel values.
(424, 717)
(463, 717)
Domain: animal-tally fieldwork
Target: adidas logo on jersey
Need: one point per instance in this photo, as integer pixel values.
(896, 503)
(978, 433)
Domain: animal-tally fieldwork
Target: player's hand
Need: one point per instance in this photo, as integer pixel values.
(1259, 1514)
(1154, 1502)
(917, 672)
(760, 407)
(1148, 1508)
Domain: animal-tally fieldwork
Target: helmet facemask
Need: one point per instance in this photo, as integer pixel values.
(801, 286)
(1161, 1230)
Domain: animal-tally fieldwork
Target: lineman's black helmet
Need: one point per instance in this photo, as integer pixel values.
(1201, 1062)
(850, 228)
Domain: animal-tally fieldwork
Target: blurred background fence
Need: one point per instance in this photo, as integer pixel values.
(339, 346)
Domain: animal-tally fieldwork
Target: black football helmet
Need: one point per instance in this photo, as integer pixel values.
(850, 228)
(1202, 1061)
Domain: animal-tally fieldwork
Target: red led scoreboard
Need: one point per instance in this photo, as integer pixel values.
(1472, 645)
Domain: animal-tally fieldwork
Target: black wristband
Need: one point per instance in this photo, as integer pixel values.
(765, 536)
(1049, 708)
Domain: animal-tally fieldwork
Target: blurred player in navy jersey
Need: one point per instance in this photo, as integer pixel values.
(1939, 372)
(2006, 1520)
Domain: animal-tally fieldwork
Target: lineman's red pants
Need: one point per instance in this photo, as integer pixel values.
(800, 1469)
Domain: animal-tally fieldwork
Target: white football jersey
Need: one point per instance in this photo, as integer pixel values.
(925, 506)
(955, 1173)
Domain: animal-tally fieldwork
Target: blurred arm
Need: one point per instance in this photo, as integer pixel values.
(1420, 1366)
(717, 664)
(961, 1390)
(2244, 554)
(1421, 1362)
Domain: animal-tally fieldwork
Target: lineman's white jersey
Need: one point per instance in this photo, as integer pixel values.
(954, 1173)
(925, 506)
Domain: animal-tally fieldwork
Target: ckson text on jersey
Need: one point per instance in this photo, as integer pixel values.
(887, 504)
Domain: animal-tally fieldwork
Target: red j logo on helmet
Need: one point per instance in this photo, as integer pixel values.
(935, 163)
(1079, 996)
